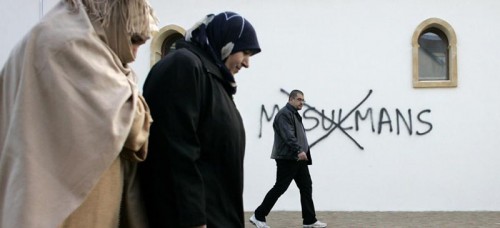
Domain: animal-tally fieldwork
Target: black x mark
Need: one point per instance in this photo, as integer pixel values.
(336, 125)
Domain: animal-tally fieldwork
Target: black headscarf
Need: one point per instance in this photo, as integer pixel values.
(222, 35)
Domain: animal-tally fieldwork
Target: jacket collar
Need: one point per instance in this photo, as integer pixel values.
(291, 108)
(209, 65)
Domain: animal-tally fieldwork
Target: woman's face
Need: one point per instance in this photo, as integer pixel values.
(137, 41)
(238, 60)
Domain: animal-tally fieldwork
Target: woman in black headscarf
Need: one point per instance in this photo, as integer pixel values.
(193, 176)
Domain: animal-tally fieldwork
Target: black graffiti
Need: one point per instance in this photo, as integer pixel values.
(386, 120)
(336, 125)
(425, 122)
(314, 119)
(263, 113)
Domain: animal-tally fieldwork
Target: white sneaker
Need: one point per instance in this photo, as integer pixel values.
(316, 224)
(257, 223)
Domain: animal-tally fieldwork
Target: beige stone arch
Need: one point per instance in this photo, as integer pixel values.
(446, 28)
(159, 39)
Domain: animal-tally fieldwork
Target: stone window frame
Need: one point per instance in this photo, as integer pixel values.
(446, 28)
(159, 38)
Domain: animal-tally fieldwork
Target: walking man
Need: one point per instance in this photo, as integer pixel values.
(292, 155)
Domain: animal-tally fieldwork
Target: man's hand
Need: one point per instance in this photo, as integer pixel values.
(302, 156)
(204, 226)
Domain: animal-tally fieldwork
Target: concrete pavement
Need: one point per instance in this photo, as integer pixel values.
(473, 219)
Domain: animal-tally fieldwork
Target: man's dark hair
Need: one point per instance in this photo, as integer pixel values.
(294, 93)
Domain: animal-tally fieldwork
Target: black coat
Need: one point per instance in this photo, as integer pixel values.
(194, 171)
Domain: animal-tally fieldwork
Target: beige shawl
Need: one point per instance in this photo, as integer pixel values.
(67, 106)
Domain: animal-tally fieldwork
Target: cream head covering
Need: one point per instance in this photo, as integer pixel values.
(116, 21)
(68, 103)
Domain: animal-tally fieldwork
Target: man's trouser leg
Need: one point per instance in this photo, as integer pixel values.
(286, 170)
(304, 183)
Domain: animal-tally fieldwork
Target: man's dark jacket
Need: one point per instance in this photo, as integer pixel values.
(289, 135)
(194, 171)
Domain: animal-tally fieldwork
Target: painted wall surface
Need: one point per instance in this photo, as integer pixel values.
(420, 150)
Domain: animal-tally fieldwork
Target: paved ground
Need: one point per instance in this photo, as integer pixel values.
(285, 219)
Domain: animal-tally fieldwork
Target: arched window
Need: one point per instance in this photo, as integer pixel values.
(169, 43)
(434, 55)
(164, 41)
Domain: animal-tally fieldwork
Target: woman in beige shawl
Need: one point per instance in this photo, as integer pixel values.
(72, 123)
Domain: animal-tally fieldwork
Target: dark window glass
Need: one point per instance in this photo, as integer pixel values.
(433, 55)
(169, 43)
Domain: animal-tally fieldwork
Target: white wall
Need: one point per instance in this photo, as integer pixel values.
(13, 25)
(336, 52)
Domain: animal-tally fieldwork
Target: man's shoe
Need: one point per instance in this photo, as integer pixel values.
(257, 223)
(316, 224)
